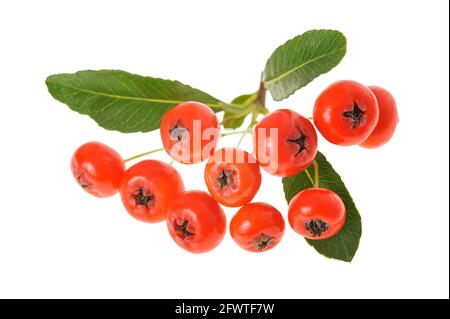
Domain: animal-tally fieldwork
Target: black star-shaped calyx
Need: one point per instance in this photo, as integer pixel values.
(300, 141)
(262, 242)
(143, 197)
(316, 227)
(182, 229)
(225, 178)
(178, 132)
(356, 115)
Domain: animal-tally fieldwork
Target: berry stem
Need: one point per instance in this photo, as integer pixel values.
(309, 177)
(144, 154)
(316, 173)
(248, 130)
(241, 139)
(250, 127)
(311, 118)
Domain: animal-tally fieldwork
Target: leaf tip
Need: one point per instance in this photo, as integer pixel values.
(48, 80)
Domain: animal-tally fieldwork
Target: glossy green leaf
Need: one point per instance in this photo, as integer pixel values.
(122, 101)
(343, 245)
(301, 59)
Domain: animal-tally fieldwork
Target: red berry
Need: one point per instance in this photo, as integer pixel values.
(387, 121)
(196, 222)
(189, 132)
(317, 213)
(346, 113)
(148, 188)
(98, 169)
(257, 227)
(232, 176)
(285, 143)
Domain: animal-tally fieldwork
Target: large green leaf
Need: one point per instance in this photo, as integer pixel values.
(121, 101)
(301, 59)
(343, 245)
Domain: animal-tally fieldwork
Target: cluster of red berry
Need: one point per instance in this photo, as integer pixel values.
(285, 143)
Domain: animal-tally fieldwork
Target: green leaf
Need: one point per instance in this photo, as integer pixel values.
(121, 101)
(301, 59)
(343, 245)
(235, 120)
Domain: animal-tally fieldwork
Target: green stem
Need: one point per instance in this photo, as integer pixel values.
(241, 139)
(316, 174)
(309, 177)
(144, 154)
(248, 130)
(250, 127)
(311, 118)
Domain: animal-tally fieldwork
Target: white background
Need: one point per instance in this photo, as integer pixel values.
(57, 241)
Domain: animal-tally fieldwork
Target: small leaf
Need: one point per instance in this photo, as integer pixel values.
(235, 120)
(343, 245)
(244, 99)
(301, 59)
(121, 101)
